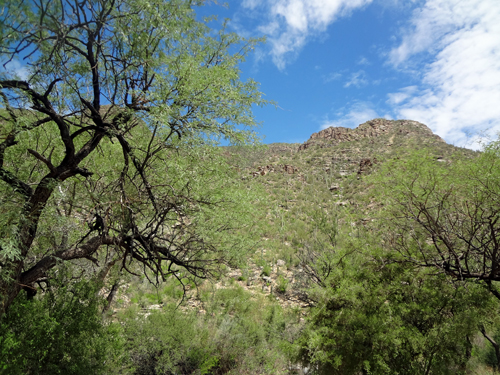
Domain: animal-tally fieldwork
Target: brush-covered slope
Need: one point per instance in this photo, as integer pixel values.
(327, 174)
(314, 203)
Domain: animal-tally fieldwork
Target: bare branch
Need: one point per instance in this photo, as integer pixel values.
(47, 162)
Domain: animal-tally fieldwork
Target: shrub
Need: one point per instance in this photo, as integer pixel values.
(60, 332)
(282, 285)
(237, 334)
(266, 271)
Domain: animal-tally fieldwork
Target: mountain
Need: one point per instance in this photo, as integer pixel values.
(296, 181)
(375, 128)
(326, 172)
(339, 152)
(314, 211)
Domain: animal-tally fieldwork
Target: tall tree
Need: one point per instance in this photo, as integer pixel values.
(376, 314)
(115, 91)
(446, 216)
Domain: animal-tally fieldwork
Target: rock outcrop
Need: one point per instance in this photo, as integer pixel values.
(373, 128)
(365, 165)
(263, 170)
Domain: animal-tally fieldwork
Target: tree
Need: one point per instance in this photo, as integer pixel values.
(447, 217)
(318, 255)
(377, 316)
(117, 93)
(404, 292)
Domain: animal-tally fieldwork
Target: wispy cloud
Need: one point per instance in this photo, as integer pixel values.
(459, 43)
(289, 24)
(402, 95)
(363, 61)
(251, 4)
(332, 77)
(15, 69)
(357, 79)
(352, 116)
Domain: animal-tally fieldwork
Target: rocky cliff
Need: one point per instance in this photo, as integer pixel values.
(373, 128)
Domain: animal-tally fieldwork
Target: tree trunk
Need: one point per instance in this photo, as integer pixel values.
(495, 346)
(111, 296)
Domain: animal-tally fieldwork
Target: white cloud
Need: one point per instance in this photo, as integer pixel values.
(402, 95)
(332, 77)
(460, 87)
(15, 69)
(433, 24)
(363, 61)
(353, 116)
(251, 4)
(290, 23)
(357, 79)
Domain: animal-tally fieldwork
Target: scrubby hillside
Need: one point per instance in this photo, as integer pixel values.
(320, 215)
(340, 274)
(326, 172)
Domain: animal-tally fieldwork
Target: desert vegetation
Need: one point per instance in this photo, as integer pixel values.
(144, 229)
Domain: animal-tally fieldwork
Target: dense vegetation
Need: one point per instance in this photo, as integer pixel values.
(131, 243)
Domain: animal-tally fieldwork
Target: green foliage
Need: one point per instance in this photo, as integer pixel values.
(282, 284)
(177, 210)
(388, 319)
(62, 332)
(485, 353)
(382, 308)
(125, 111)
(235, 335)
(445, 215)
(266, 271)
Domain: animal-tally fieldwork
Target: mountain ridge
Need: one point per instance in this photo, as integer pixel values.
(369, 129)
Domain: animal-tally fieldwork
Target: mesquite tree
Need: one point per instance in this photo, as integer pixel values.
(447, 216)
(112, 125)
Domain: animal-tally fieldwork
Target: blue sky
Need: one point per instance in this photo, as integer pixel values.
(343, 62)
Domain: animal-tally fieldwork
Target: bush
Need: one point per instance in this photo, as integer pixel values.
(282, 285)
(235, 335)
(266, 271)
(61, 332)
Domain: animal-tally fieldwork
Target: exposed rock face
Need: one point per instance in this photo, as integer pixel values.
(365, 164)
(262, 171)
(372, 128)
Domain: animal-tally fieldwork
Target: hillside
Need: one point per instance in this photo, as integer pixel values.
(294, 180)
(325, 172)
(315, 204)
(322, 272)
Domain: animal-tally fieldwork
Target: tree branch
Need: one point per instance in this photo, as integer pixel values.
(44, 160)
(42, 104)
(86, 250)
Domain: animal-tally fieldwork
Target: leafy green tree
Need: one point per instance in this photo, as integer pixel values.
(378, 310)
(377, 316)
(318, 255)
(446, 216)
(117, 92)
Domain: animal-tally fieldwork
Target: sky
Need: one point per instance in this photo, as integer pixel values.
(344, 62)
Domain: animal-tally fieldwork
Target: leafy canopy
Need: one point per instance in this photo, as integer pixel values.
(113, 125)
